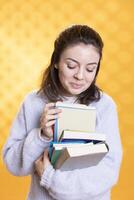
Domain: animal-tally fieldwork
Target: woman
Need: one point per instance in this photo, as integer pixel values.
(71, 77)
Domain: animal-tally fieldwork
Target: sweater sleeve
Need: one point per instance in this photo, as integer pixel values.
(94, 181)
(23, 146)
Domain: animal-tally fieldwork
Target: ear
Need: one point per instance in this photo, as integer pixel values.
(56, 66)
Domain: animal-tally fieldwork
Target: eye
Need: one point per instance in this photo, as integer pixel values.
(90, 70)
(70, 66)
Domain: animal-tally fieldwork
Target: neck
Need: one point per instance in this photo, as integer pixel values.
(70, 99)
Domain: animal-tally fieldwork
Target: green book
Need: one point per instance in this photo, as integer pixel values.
(55, 156)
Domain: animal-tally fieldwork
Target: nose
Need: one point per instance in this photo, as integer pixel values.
(79, 74)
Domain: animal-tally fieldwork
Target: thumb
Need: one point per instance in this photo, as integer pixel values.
(45, 154)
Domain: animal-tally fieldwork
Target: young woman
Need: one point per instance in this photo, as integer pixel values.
(70, 77)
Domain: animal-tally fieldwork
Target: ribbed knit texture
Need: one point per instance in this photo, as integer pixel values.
(25, 145)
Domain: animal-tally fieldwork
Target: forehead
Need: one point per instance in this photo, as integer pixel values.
(82, 52)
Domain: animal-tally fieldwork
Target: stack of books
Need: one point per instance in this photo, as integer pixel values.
(76, 144)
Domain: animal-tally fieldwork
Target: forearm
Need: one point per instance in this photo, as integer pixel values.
(84, 183)
(20, 155)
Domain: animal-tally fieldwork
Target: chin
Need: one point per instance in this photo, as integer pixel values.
(76, 92)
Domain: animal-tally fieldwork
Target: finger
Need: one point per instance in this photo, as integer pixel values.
(47, 125)
(50, 114)
(39, 159)
(50, 117)
(45, 120)
(50, 123)
(45, 154)
(49, 105)
(53, 111)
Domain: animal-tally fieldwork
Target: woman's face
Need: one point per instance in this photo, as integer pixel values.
(77, 68)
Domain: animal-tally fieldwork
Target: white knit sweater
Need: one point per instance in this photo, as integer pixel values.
(25, 145)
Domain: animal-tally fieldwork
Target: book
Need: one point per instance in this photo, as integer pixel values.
(77, 117)
(77, 136)
(76, 145)
(77, 157)
(57, 149)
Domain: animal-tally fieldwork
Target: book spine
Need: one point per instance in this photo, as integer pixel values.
(62, 158)
(50, 150)
(75, 141)
(56, 131)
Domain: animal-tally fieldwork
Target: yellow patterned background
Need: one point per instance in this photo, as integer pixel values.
(27, 31)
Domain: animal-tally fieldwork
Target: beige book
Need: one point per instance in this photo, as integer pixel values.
(58, 148)
(81, 157)
(69, 135)
(76, 117)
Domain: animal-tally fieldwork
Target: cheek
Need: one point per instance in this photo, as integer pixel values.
(90, 78)
(65, 74)
(63, 77)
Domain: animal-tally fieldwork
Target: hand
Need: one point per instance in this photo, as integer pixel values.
(48, 119)
(41, 163)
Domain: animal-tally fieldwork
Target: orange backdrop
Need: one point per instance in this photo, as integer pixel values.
(27, 31)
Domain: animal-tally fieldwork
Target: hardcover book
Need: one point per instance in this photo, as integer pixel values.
(77, 117)
(76, 144)
(77, 136)
(83, 156)
(57, 149)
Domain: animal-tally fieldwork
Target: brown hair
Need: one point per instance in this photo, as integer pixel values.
(73, 35)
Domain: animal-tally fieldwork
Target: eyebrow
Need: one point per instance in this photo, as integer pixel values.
(92, 63)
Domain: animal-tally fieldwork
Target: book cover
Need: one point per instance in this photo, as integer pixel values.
(72, 135)
(77, 117)
(57, 148)
(81, 157)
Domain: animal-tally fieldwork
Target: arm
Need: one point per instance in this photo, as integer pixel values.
(93, 181)
(23, 146)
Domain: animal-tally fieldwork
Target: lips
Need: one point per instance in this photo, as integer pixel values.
(76, 86)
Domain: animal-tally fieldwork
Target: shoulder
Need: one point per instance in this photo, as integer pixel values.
(106, 99)
(34, 102)
(105, 108)
(105, 102)
(34, 96)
